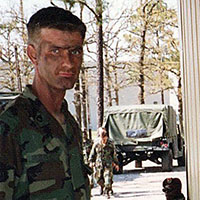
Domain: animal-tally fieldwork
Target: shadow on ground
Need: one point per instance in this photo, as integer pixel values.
(132, 174)
(151, 169)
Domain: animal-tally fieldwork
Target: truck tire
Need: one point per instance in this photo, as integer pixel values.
(120, 169)
(167, 160)
(181, 160)
(120, 159)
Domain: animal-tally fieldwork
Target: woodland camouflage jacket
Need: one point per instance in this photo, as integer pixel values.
(103, 154)
(38, 161)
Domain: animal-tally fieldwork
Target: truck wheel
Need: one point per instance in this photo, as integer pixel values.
(181, 160)
(120, 159)
(120, 169)
(167, 159)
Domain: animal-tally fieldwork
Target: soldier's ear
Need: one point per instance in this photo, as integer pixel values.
(32, 53)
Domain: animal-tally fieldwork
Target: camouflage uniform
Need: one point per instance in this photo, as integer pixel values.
(87, 146)
(104, 155)
(40, 160)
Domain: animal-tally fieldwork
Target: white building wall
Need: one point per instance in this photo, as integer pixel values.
(189, 12)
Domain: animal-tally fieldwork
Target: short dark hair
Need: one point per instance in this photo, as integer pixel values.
(54, 17)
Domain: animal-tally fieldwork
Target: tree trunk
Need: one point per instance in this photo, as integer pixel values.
(141, 61)
(108, 89)
(26, 74)
(141, 86)
(84, 106)
(23, 33)
(77, 101)
(162, 96)
(88, 109)
(116, 88)
(108, 80)
(100, 86)
(77, 94)
(19, 82)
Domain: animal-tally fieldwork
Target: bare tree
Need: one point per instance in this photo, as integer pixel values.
(113, 52)
(152, 25)
(100, 74)
(17, 70)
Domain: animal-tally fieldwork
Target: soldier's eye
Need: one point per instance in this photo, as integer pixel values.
(55, 51)
(77, 51)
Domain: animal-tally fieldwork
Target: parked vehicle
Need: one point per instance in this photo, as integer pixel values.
(145, 132)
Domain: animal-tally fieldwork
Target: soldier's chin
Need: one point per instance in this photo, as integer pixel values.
(69, 86)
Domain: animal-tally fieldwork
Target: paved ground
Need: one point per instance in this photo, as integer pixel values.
(142, 184)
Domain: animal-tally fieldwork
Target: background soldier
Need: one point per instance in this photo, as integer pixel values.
(104, 158)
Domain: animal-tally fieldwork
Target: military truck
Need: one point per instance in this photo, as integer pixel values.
(145, 132)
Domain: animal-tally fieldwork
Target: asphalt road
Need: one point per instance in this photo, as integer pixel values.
(142, 183)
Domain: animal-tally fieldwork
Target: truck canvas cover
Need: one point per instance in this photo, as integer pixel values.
(131, 124)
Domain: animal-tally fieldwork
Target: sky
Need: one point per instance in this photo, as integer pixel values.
(33, 5)
(30, 5)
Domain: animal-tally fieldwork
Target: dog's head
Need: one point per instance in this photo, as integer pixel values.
(172, 187)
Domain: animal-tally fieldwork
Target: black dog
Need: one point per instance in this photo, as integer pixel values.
(172, 189)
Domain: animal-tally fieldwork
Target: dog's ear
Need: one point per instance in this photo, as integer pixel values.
(167, 181)
(177, 184)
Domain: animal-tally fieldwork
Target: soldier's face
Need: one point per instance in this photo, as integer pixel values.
(58, 58)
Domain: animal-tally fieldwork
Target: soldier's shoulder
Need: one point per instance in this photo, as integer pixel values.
(9, 117)
(12, 107)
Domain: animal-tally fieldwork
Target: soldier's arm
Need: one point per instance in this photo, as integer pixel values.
(115, 159)
(7, 168)
(114, 156)
(10, 155)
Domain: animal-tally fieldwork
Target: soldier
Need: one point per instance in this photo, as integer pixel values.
(40, 142)
(104, 158)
